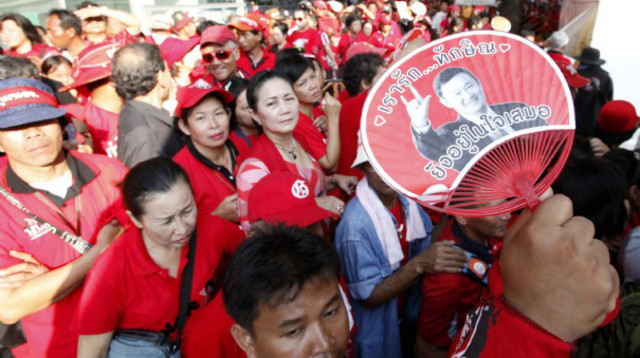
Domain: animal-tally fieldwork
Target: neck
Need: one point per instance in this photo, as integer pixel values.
(306, 109)
(106, 98)
(281, 139)
(76, 46)
(217, 155)
(96, 38)
(473, 236)
(248, 130)
(256, 53)
(151, 98)
(387, 200)
(24, 47)
(32, 174)
(165, 257)
(182, 35)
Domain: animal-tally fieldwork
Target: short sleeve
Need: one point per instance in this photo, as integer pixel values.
(251, 171)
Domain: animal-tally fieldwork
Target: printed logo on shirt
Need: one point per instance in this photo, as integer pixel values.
(112, 148)
(299, 189)
(479, 268)
(300, 43)
(202, 84)
(475, 331)
(36, 230)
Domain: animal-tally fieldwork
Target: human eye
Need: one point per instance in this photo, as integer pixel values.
(270, 103)
(332, 312)
(293, 333)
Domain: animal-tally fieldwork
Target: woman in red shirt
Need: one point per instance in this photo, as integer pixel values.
(243, 128)
(22, 38)
(323, 147)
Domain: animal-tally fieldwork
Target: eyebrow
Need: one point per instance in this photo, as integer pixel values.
(181, 210)
(294, 321)
(333, 300)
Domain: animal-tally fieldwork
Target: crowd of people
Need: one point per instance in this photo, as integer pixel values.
(201, 190)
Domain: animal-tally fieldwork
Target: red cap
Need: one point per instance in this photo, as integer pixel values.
(618, 117)
(478, 8)
(174, 49)
(190, 95)
(363, 47)
(217, 34)
(247, 23)
(286, 198)
(571, 76)
(184, 21)
(320, 5)
(386, 20)
(454, 7)
(93, 64)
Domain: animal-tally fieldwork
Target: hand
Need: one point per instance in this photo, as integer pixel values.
(598, 147)
(331, 203)
(440, 257)
(418, 109)
(91, 11)
(83, 148)
(108, 234)
(18, 274)
(321, 123)
(331, 108)
(346, 182)
(228, 208)
(556, 273)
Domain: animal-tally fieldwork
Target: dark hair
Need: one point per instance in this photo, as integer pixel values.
(135, 69)
(473, 20)
(87, 4)
(360, 67)
(153, 176)
(256, 83)
(581, 148)
(27, 27)
(68, 20)
(351, 19)
(184, 115)
(283, 27)
(14, 67)
(626, 159)
(527, 32)
(287, 52)
(597, 187)
(238, 86)
(204, 25)
(293, 66)
(446, 75)
(272, 267)
(51, 63)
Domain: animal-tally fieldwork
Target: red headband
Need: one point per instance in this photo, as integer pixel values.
(19, 96)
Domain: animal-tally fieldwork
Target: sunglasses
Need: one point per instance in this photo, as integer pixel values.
(299, 18)
(220, 55)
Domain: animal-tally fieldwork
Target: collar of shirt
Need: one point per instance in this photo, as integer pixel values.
(482, 251)
(147, 109)
(206, 161)
(80, 172)
(143, 261)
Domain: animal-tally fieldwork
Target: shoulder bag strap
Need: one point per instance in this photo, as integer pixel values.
(185, 289)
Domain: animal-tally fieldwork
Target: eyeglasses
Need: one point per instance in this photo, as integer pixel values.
(220, 55)
(299, 18)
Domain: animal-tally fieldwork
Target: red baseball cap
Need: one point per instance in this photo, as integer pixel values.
(173, 49)
(478, 8)
(285, 198)
(217, 34)
(454, 7)
(386, 20)
(192, 94)
(571, 75)
(320, 5)
(181, 20)
(247, 23)
(363, 47)
(93, 64)
(618, 117)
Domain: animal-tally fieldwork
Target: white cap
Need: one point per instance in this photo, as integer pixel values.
(558, 39)
(160, 22)
(361, 155)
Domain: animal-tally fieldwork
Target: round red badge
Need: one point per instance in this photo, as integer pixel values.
(474, 124)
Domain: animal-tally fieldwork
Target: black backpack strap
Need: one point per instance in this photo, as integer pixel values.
(185, 290)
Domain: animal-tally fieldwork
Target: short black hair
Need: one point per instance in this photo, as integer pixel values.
(351, 19)
(204, 25)
(284, 28)
(153, 176)
(135, 69)
(271, 267)
(51, 63)
(446, 75)
(259, 80)
(527, 32)
(14, 67)
(360, 67)
(27, 27)
(293, 66)
(68, 20)
(87, 4)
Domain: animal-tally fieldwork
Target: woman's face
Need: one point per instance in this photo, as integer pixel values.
(61, 73)
(12, 34)
(307, 87)
(207, 124)
(367, 29)
(277, 107)
(243, 112)
(278, 36)
(169, 218)
(355, 27)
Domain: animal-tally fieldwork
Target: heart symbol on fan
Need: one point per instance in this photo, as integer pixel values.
(438, 49)
(504, 47)
(379, 121)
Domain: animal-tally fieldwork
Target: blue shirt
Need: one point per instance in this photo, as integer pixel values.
(364, 266)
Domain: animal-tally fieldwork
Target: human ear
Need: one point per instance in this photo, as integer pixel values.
(461, 220)
(255, 116)
(244, 340)
(183, 126)
(135, 221)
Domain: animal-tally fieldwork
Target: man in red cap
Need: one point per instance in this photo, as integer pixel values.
(253, 57)
(220, 56)
(96, 19)
(184, 27)
(385, 38)
(616, 124)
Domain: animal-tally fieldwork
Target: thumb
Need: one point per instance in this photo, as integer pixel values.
(23, 256)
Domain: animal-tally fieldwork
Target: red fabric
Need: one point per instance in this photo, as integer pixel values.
(309, 40)
(103, 126)
(38, 50)
(559, 57)
(240, 142)
(346, 41)
(497, 330)
(445, 297)
(343, 97)
(329, 25)
(398, 214)
(388, 43)
(350, 114)
(49, 331)
(312, 136)
(267, 62)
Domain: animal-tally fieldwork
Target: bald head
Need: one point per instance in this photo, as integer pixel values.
(135, 69)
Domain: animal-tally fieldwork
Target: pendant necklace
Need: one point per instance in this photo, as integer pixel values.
(291, 152)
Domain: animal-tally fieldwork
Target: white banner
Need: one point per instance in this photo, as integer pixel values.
(476, 2)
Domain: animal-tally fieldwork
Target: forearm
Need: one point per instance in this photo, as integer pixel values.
(94, 346)
(44, 290)
(392, 286)
(332, 157)
(130, 22)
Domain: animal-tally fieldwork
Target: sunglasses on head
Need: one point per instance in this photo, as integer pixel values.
(220, 55)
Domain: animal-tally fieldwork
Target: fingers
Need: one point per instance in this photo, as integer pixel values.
(21, 267)
(556, 210)
(23, 256)
(416, 94)
(580, 228)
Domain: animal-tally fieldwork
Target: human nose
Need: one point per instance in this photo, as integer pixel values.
(33, 132)
(181, 227)
(320, 344)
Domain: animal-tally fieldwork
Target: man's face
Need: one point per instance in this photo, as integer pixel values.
(34, 145)
(225, 68)
(464, 94)
(247, 40)
(301, 19)
(488, 226)
(314, 324)
(60, 38)
(95, 25)
(376, 182)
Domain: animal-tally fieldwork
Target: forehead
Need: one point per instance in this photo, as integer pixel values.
(8, 23)
(274, 87)
(211, 47)
(208, 103)
(155, 205)
(52, 21)
(457, 81)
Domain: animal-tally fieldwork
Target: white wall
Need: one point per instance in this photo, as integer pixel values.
(617, 36)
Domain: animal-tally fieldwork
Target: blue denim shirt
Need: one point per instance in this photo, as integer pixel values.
(364, 266)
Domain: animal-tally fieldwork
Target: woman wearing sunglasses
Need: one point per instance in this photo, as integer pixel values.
(319, 127)
(275, 107)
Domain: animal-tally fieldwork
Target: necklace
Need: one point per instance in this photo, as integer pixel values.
(291, 152)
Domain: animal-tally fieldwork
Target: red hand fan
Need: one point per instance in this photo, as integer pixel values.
(474, 124)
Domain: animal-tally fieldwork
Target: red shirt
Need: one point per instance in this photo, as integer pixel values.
(267, 62)
(241, 140)
(103, 126)
(316, 140)
(346, 41)
(389, 42)
(309, 40)
(350, 114)
(126, 289)
(48, 331)
(38, 50)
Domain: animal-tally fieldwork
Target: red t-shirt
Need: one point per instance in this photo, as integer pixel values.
(313, 136)
(126, 289)
(242, 141)
(103, 126)
(309, 40)
(389, 42)
(346, 41)
(350, 114)
(267, 62)
(38, 50)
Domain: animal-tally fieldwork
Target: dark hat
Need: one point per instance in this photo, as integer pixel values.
(25, 101)
(590, 56)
